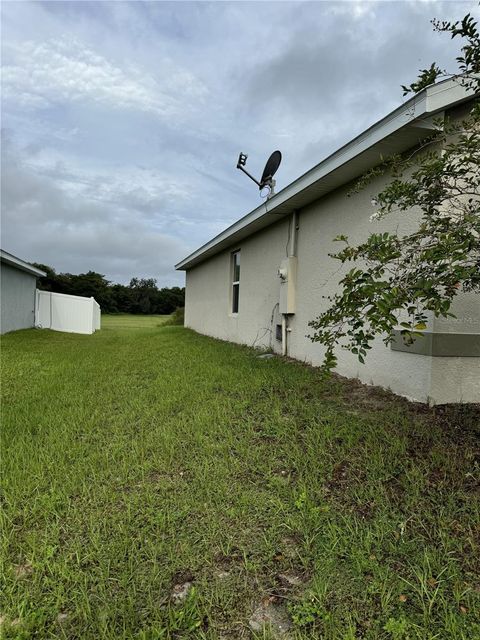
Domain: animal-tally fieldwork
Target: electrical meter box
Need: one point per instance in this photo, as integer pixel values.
(288, 281)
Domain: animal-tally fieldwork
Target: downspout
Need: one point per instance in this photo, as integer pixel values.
(292, 251)
(293, 234)
(284, 334)
(35, 307)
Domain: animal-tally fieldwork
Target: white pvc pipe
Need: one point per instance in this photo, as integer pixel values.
(284, 335)
(293, 234)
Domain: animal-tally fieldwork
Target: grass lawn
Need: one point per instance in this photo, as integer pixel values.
(128, 321)
(137, 462)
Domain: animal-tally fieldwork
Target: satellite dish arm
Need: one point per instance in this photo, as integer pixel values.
(249, 175)
(242, 159)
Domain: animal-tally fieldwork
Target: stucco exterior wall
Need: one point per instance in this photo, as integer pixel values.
(458, 379)
(209, 291)
(208, 300)
(17, 299)
(318, 276)
(427, 378)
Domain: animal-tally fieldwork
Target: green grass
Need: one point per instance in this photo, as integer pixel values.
(128, 321)
(134, 460)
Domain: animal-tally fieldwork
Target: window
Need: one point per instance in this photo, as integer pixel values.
(235, 280)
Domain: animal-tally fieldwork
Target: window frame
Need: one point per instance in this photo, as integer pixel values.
(234, 284)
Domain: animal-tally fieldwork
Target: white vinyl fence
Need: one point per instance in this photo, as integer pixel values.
(62, 312)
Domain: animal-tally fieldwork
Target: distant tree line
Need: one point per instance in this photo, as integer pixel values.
(141, 296)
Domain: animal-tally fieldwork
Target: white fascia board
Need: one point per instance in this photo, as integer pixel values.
(13, 261)
(446, 94)
(430, 100)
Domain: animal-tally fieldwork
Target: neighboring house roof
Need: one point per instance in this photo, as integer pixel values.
(402, 129)
(13, 261)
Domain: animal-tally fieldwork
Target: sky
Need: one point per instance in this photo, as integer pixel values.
(122, 121)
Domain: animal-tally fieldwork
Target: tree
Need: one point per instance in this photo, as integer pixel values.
(122, 298)
(49, 282)
(92, 284)
(141, 296)
(143, 292)
(168, 300)
(401, 280)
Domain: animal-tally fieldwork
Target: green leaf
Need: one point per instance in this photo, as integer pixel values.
(421, 326)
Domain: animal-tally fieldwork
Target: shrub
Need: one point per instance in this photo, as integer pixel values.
(176, 318)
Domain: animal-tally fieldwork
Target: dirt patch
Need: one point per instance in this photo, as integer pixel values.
(290, 580)
(22, 570)
(271, 614)
(290, 545)
(181, 576)
(225, 562)
(364, 511)
(462, 417)
(343, 475)
(181, 585)
(339, 476)
(158, 477)
(180, 592)
(356, 394)
(222, 574)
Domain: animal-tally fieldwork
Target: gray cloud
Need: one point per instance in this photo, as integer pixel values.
(337, 75)
(43, 223)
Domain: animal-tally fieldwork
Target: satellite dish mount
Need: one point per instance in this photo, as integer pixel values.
(267, 176)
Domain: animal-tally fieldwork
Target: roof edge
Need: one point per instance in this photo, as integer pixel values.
(13, 261)
(429, 101)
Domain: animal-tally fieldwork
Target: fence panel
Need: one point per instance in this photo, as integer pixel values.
(97, 316)
(62, 312)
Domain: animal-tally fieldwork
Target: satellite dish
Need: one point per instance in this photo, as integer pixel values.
(267, 176)
(271, 168)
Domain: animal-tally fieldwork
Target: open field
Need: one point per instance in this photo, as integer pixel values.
(128, 321)
(135, 461)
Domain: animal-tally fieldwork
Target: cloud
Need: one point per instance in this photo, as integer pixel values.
(337, 75)
(65, 70)
(127, 117)
(45, 223)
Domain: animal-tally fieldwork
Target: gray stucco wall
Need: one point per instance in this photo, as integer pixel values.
(457, 379)
(208, 290)
(208, 300)
(17, 299)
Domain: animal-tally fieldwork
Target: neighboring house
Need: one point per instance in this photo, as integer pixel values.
(18, 283)
(234, 292)
(23, 306)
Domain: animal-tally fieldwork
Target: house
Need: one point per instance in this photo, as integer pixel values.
(234, 292)
(23, 306)
(18, 283)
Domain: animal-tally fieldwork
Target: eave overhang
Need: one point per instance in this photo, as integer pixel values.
(13, 261)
